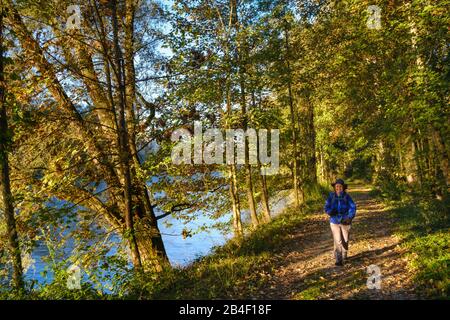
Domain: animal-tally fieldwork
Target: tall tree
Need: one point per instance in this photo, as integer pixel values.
(5, 185)
(98, 57)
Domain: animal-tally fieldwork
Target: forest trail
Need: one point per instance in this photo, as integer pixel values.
(304, 266)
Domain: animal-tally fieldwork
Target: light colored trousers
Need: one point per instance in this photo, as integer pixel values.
(340, 236)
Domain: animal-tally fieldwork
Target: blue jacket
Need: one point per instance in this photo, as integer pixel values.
(344, 205)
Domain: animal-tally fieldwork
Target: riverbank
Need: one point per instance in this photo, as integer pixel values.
(291, 258)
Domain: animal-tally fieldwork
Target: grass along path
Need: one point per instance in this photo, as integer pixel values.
(291, 258)
(304, 265)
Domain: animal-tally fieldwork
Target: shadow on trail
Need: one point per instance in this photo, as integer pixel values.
(305, 267)
(365, 255)
(339, 282)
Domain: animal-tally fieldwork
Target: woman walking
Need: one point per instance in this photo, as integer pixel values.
(342, 209)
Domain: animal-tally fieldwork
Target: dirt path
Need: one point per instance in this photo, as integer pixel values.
(304, 267)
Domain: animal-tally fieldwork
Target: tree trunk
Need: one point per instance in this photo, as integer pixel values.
(237, 221)
(442, 159)
(264, 192)
(409, 163)
(250, 196)
(265, 198)
(149, 241)
(311, 143)
(124, 145)
(234, 195)
(156, 245)
(248, 170)
(5, 186)
(298, 191)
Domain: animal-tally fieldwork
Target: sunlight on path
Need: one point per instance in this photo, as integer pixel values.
(305, 267)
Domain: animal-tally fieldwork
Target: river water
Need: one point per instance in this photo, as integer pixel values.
(181, 251)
